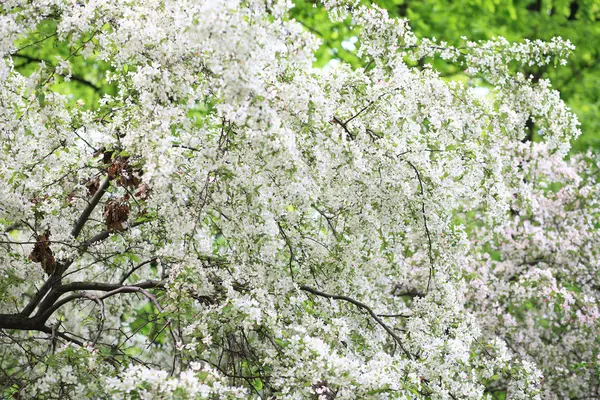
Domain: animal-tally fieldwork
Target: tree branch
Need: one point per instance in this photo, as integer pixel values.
(401, 290)
(364, 307)
(127, 275)
(110, 288)
(88, 210)
(76, 78)
(430, 248)
(23, 322)
(340, 123)
(104, 235)
(57, 276)
(106, 287)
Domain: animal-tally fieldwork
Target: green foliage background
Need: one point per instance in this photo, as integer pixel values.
(516, 20)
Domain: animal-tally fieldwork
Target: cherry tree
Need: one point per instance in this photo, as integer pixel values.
(219, 219)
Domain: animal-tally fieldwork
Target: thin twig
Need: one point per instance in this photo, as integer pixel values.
(424, 223)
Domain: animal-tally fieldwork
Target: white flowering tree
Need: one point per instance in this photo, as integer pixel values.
(189, 209)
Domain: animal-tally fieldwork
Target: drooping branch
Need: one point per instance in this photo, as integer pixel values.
(429, 245)
(290, 248)
(363, 306)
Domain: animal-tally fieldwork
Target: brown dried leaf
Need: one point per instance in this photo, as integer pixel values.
(143, 191)
(116, 212)
(92, 186)
(43, 254)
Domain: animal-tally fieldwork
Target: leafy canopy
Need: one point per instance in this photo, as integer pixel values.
(516, 20)
(189, 208)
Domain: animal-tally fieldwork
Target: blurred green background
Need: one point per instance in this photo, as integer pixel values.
(448, 20)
